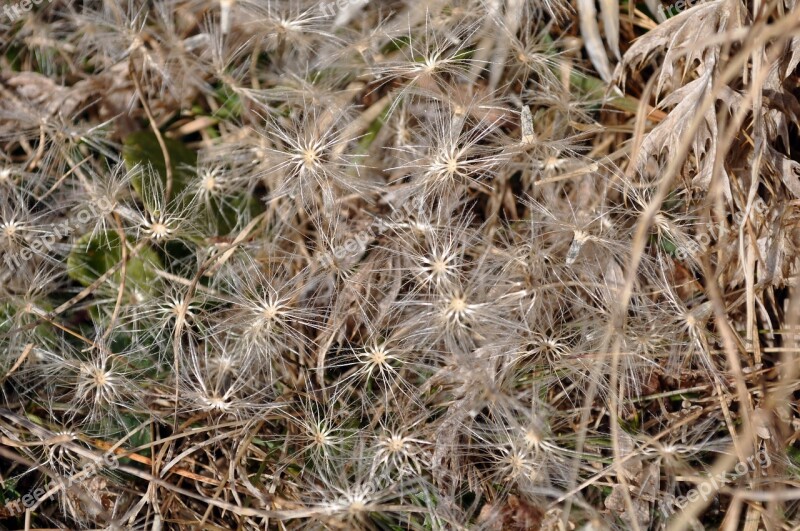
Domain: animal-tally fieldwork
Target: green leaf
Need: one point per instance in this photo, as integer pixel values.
(142, 148)
(128, 423)
(374, 129)
(666, 244)
(226, 214)
(395, 44)
(231, 105)
(9, 491)
(94, 254)
(594, 88)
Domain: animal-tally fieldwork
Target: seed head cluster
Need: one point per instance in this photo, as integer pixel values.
(407, 267)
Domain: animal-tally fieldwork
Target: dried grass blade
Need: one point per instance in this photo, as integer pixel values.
(590, 30)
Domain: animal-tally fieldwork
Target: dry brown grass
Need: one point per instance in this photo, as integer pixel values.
(452, 264)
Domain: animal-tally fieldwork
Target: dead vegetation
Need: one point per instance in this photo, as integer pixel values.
(452, 264)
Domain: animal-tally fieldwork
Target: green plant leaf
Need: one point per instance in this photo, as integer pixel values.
(94, 254)
(142, 148)
(230, 104)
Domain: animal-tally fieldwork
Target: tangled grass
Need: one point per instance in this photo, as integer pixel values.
(441, 264)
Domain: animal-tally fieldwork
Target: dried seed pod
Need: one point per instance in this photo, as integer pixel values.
(578, 240)
(528, 134)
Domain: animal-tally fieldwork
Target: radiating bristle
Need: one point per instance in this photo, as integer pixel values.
(399, 264)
